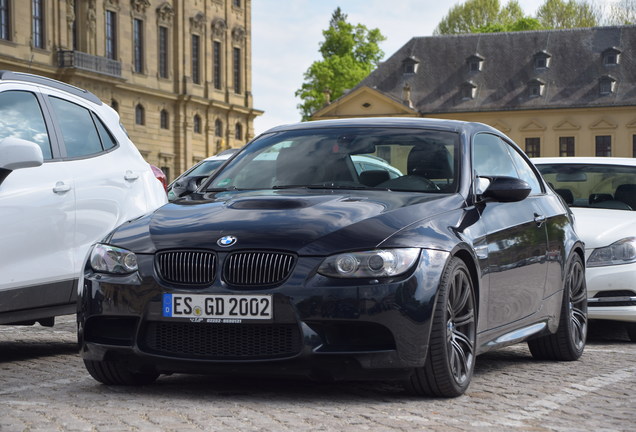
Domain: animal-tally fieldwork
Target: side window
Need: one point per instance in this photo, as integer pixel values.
(21, 117)
(108, 141)
(525, 171)
(491, 157)
(78, 129)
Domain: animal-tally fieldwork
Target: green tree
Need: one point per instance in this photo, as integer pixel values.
(560, 14)
(349, 53)
(477, 14)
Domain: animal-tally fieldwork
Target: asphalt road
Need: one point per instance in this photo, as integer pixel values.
(44, 387)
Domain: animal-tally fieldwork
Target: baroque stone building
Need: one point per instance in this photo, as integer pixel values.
(177, 71)
(555, 92)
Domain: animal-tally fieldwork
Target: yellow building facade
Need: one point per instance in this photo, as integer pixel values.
(554, 92)
(177, 71)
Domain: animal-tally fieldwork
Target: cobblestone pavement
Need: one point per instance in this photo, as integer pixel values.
(44, 387)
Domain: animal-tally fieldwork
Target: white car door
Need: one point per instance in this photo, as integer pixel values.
(108, 175)
(37, 212)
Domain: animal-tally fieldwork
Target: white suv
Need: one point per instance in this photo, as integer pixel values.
(69, 174)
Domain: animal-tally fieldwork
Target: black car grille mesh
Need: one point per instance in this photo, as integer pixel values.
(257, 268)
(187, 267)
(223, 341)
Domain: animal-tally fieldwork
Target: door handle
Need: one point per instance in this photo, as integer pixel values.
(131, 176)
(61, 187)
(539, 219)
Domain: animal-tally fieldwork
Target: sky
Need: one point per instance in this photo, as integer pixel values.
(286, 36)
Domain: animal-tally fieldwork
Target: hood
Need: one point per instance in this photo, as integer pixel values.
(308, 223)
(599, 227)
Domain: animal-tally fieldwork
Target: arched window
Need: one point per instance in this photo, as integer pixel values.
(140, 114)
(238, 131)
(164, 119)
(218, 128)
(197, 123)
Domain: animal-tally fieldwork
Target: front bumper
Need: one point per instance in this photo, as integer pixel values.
(322, 327)
(612, 292)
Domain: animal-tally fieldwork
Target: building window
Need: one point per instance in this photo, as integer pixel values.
(468, 90)
(606, 85)
(140, 115)
(533, 147)
(163, 52)
(611, 56)
(542, 60)
(410, 65)
(114, 105)
(237, 70)
(166, 171)
(5, 20)
(535, 88)
(37, 30)
(634, 146)
(197, 123)
(566, 146)
(238, 131)
(111, 35)
(474, 63)
(218, 128)
(164, 119)
(138, 45)
(236, 3)
(217, 64)
(196, 67)
(603, 145)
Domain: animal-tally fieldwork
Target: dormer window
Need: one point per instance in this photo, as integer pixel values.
(542, 60)
(535, 88)
(468, 90)
(410, 65)
(611, 56)
(606, 85)
(474, 63)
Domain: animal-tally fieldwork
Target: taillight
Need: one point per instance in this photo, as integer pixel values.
(159, 175)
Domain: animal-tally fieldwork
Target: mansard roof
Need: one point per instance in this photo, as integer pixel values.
(571, 80)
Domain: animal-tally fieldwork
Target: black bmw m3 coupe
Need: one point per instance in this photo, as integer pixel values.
(342, 249)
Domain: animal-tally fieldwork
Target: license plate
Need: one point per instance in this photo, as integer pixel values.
(222, 307)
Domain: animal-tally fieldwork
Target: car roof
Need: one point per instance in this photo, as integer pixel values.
(584, 160)
(414, 122)
(49, 82)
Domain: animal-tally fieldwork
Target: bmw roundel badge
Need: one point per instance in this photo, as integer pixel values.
(226, 241)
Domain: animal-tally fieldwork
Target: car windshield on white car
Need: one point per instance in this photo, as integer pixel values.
(593, 185)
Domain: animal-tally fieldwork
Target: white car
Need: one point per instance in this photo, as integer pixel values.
(69, 175)
(602, 195)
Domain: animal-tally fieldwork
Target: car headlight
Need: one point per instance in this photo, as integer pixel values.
(369, 264)
(111, 259)
(620, 252)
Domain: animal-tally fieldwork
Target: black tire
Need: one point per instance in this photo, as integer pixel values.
(115, 373)
(568, 343)
(451, 355)
(631, 331)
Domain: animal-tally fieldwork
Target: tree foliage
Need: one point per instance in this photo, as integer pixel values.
(622, 12)
(561, 14)
(349, 53)
(487, 16)
(477, 14)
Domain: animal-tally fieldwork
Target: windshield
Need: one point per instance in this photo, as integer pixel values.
(206, 167)
(347, 158)
(589, 185)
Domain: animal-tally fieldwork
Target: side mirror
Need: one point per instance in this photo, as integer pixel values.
(507, 189)
(187, 185)
(16, 153)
